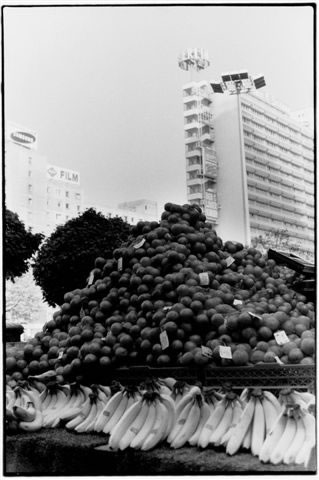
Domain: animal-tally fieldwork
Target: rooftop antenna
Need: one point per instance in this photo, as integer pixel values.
(193, 60)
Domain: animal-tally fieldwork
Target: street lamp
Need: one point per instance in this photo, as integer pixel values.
(236, 83)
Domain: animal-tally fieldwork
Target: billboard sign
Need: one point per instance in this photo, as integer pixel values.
(63, 174)
(21, 136)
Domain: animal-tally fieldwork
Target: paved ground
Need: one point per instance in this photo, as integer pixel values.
(59, 452)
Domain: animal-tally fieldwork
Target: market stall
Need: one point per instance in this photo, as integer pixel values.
(182, 354)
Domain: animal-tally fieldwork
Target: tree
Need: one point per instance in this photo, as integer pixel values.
(65, 259)
(20, 245)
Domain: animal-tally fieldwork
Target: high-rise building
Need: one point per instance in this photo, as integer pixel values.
(272, 187)
(43, 195)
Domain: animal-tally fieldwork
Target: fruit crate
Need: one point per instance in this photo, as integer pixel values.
(139, 373)
(267, 376)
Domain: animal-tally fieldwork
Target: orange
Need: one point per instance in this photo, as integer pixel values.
(307, 361)
(308, 345)
(265, 333)
(295, 355)
(288, 346)
(257, 356)
(270, 357)
(187, 358)
(271, 322)
(240, 357)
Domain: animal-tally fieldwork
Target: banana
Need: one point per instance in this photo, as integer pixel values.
(165, 390)
(159, 427)
(34, 397)
(205, 412)
(117, 414)
(189, 427)
(49, 402)
(304, 453)
(212, 423)
(270, 413)
(273, 436)
(170, 406)
(297, 443)
(106, 390)
(71, 424)
(241, 428)
(124, 424)
(243, 395)
(247, 438)
(258, 428)
(88, 422)
(74, 403)
(33, 426)
(307, 397)
(108, 411)
(237, 411)
(140, 437)
(273, 399)
(192, 392)
(180, 420)
(43, 398)
(169, 382)
(284, 441)
(223, 425)
(25, 414)
(135, 427)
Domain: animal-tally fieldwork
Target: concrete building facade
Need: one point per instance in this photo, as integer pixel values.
(264, 168)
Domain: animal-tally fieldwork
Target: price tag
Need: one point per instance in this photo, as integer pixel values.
(120, 264)
(237, 302)
(253, 315)
(225, 352)
(204, 278)
(139, 242)
(278, 360)
(82, 313)
(165, 309)
(91, 278)
(229, 261)
(206, 351)
(60, 355)
(281, 337)
(164, 340)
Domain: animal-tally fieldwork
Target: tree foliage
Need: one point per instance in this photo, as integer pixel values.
(65, 259)
(20, 245)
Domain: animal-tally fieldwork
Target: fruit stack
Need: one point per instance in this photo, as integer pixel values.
(276, 430)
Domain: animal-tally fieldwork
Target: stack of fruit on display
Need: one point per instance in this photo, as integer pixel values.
(175, 294)
(275, 429)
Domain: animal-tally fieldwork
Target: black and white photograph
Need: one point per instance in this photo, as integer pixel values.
(159, 239)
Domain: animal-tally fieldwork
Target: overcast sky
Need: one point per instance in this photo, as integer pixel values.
(102, 88)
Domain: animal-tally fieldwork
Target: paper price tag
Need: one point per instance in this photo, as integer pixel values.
(225, 352)
(278, 360)
(91, 278)
(281, 337)
(139, 243)
(229, 261)
(164, 340)
(206, 351)
(237, 302)
(60, 355)
(120, 264)
(204, 278)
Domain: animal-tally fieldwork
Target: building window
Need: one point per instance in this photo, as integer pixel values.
(30, 160)
(29, 173)
(125, 218)
(132, 219)
(29, 202)
(145, 207)
(109, 215)
(30, 188)
(77, 196)
(67, 193)
(59, 204)
(67, 206)
(58, 216)
(78, 208)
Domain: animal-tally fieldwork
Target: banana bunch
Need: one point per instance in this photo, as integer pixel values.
(114, 408)
(189, 413)
(222, 418)
(259, 412)
(292, 438)
(23, 409)
(178, 390)
(82, 416)
(145, 424)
